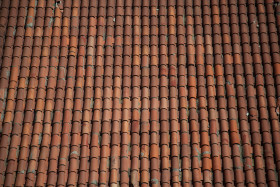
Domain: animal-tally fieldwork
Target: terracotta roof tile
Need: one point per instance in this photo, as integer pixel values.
(137, 92)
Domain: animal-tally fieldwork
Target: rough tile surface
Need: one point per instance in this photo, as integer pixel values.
(139, 93)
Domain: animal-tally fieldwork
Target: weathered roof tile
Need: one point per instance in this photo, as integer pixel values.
(139, 92)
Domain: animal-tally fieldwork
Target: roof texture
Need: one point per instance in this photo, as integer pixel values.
(132, 92)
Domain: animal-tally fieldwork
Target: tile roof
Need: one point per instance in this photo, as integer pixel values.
(131, 92)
